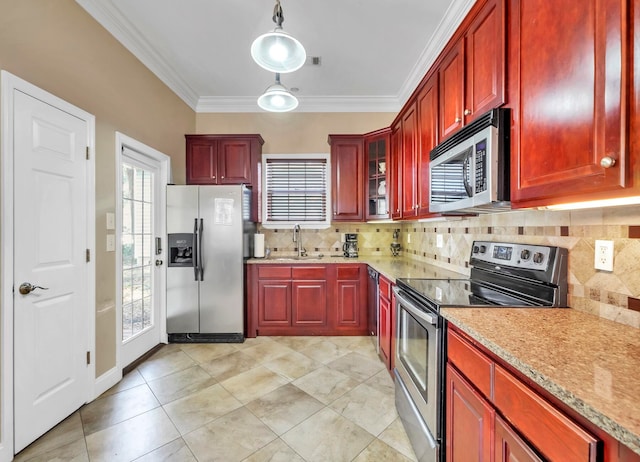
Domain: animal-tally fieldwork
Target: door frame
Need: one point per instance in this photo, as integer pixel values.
(122, 141)
(9, 84)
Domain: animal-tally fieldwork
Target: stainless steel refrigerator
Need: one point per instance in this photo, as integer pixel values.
(209, 238)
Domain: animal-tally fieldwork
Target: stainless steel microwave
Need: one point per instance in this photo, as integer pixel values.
(469, 171)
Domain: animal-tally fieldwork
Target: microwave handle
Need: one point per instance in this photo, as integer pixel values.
(465, 170)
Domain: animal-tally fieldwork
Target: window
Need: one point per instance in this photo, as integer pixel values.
(296, 190)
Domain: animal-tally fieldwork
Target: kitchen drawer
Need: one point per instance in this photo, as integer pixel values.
(550, 431)
(274, 272)
(472, 363)
(309, 272)
(348, 273)
(384, 287)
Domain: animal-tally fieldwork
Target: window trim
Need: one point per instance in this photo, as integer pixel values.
(326, 223)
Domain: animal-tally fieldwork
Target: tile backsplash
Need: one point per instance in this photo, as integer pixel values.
(613, 295)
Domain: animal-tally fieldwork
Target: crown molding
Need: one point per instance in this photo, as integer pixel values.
(454, 16)
(106, 13)
(307, 104)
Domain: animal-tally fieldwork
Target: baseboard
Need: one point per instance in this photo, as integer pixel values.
(106, 381)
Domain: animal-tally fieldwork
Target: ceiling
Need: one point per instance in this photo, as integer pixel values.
(373, 53)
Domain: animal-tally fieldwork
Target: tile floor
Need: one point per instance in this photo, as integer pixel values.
(282, 399)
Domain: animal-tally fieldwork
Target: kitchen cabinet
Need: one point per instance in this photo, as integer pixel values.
(347, 177)
(409, 161)
(395, 170)
(427, 101)
(306, 299)
(223, 159)
(385, 319)
(571, 71)
(472, 70)
(469, 421)
(377, 187)
(479, 388)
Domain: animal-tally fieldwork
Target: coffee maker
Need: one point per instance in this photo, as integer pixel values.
(350, 246)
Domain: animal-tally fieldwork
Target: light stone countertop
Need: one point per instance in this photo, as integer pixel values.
(391, 267)
(589, 363)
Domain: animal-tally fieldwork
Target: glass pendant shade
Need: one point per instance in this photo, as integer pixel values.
(278, 51)
(277, 98)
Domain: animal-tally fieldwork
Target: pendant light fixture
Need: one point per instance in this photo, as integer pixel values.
(277, 98)
(278, 51)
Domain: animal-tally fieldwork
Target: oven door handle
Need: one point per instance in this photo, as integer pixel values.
(414, 310)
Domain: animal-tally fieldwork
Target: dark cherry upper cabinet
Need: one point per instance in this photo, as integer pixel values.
(395, 171)
(409, 161)
(376, 183)
(427, 101)
(223, 159)
(571, 72)
(472, 71)
(347, 177)
(451, 72)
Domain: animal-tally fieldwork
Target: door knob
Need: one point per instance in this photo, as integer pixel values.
(26, 288)
(159, 262)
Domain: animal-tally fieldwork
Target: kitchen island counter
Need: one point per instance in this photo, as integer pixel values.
(590, 364)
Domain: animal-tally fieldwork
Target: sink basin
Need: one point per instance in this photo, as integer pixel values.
(310, 257)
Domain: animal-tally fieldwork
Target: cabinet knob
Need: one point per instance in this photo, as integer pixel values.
(467, 112)
(214, 177)
(607, 162)
(458, 120)
(222, 177)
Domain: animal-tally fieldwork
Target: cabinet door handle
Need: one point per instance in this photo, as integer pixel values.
(458, 120)
(467, 112)
(214, 177)
(607, 162)
(222, 177)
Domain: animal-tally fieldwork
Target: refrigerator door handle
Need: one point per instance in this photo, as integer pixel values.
(194, 247)
(200, 260)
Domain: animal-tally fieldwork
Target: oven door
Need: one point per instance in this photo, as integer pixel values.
(418, 348)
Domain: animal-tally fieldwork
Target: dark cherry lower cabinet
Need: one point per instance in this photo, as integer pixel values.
(386, 314)
(494, 415)
(306, 299)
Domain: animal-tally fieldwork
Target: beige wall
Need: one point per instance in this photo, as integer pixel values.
(295, 132)
(57, 46)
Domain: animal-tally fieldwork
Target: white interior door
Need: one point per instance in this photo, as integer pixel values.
(141, 256)
(51, 331)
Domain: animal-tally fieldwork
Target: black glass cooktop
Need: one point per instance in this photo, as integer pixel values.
(458, 292)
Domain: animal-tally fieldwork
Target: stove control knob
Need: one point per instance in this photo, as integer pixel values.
(525, 254)
(538, 257)
(476, 249)
(483, 248)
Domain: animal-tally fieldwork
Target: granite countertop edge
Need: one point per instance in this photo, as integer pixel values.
(599, 418)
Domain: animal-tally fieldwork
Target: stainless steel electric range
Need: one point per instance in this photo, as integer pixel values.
(502, 275)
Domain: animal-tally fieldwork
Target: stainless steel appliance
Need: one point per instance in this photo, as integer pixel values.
(470, 170)
(350, 246)
(373, 302)
(209, 237)
(502, 274)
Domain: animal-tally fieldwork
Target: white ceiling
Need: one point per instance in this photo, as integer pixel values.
(373, 52)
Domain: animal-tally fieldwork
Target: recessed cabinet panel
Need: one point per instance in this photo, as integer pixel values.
(234, 158)
(202, 165)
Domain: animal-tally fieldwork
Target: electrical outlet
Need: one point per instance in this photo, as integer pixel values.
(604, 255)
(439, 241)
(408, 238)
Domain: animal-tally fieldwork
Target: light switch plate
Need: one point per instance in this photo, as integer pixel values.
(111, 220)
(439, 241)
(603, 255)
(111, 242)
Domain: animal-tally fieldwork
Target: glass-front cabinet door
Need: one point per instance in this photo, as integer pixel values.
(377, 147)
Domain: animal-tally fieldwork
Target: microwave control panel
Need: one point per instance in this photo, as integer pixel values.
(481, 165)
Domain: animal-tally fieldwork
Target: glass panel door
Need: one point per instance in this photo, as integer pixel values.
(137, 251)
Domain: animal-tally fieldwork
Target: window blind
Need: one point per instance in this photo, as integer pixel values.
(296, 190)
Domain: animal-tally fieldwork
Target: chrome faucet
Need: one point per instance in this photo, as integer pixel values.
(297, 237)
